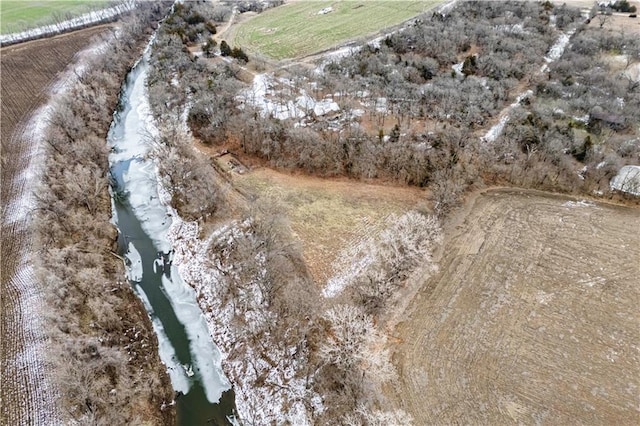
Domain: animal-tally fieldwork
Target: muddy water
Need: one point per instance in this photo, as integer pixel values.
(193, 362)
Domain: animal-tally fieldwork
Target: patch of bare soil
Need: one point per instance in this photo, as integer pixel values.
(533, 317)
(27, 71)
(615, 22)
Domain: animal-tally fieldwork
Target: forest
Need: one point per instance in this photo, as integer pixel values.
(103, 347)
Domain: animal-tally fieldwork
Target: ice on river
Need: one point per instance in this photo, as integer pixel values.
(131, 139)
(167, 353)
(134, 268)
(206, 356)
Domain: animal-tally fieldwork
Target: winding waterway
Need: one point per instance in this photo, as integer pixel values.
(193, 361)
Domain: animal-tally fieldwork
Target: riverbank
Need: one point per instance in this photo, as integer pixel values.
(186, 346)
(102, 346)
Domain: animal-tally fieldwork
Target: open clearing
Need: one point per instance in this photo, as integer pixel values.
(297, 29)
(533, 317)
(328, 216)
(19, 15)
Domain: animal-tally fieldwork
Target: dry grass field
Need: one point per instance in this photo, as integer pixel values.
(327, 215)
(533, 317)
(27, 71)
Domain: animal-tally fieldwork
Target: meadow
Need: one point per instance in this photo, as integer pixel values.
(298, 29)
(17, 15)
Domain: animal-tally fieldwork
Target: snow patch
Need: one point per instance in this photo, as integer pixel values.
(627, 180)
(134, 264)
(557, 49)
(78, 22)
(263, 95)
(581, 203)
(496, 130)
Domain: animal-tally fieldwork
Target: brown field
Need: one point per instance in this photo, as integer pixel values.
(329, 215)
(27, 71)
(533, 318)
(616, 22)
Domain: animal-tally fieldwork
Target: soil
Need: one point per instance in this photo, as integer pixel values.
(533, 317)
(617, 21)
(28, 70)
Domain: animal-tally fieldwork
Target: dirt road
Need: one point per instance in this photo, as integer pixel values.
(533, 317)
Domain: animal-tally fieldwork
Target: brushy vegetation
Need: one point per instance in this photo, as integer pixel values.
(265, 301)
(106, 353)
(426, 95)
(298, 29)
(581, 125)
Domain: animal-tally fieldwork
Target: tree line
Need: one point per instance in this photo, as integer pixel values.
(104, 349)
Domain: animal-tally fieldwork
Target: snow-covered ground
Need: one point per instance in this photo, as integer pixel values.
(556, 51)
(131, 141)
(627, 180)
(90, 18)
(263, 95)
(280, 398)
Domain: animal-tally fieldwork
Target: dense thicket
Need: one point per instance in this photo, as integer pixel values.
(415, 105)
(411, 105)
(581, 125)
(105, 351)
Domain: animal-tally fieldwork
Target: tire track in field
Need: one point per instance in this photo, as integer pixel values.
(533, 317)
(28, 393)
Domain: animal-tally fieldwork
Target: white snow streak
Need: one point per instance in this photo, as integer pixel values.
(627, 180)
(555, 52)
(87, 19)
(40, 402)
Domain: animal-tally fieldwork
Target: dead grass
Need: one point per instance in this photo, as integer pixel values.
(533, 317)
(616, 22)
(329, 215)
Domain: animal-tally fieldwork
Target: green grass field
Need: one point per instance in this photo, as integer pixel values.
(296, 29)
(19, 15)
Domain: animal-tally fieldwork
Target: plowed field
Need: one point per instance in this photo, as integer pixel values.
(534, 317)
(28, 70)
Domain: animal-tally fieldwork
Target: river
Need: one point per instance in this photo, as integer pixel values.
(193, 361)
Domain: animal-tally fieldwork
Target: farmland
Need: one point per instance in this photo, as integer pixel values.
(533, 316)
(28, 70)
(21, 15)
(297, 29)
